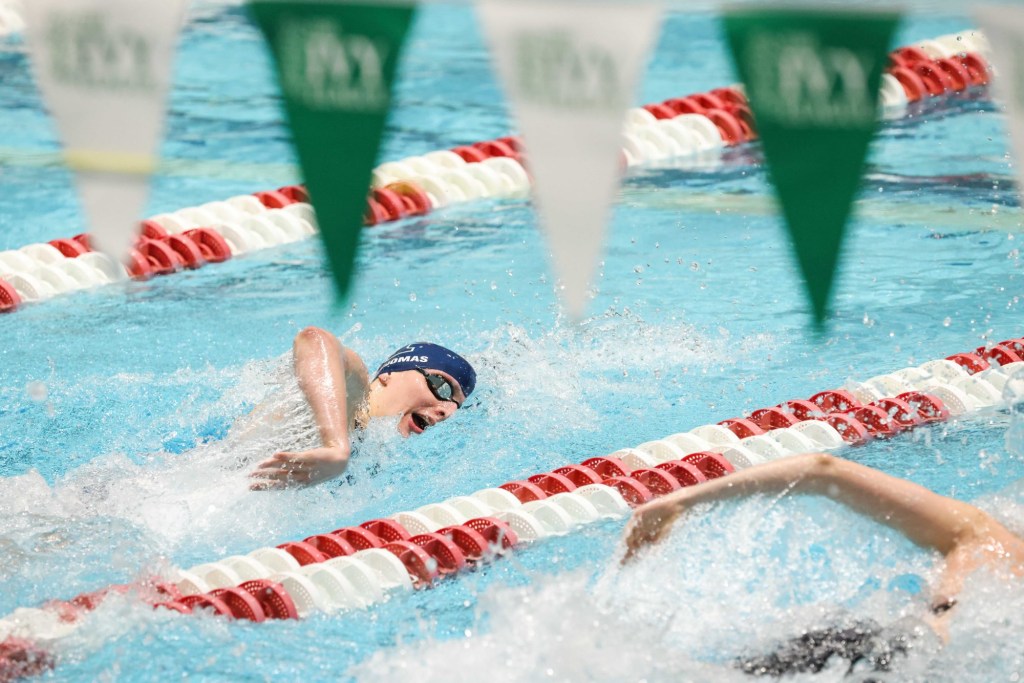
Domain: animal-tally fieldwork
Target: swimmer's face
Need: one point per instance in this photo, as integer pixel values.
(408, 395)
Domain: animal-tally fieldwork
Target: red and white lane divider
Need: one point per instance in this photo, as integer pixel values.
(696, 126)
(949, 63)
(354, 567)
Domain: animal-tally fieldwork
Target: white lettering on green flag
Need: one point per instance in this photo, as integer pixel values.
(812, 79)
(570, 70)
(104, 69)
(335, 64)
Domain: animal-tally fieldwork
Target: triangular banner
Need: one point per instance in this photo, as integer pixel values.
(812, 78)
(336, 62)
(570, 70)
(104, 69)
(1003, 26)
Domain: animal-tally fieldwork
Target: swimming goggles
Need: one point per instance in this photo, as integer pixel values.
(439, 386)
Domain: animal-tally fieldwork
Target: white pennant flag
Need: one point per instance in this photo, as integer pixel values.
(104, 68)
(1003, 26)
(570, 70)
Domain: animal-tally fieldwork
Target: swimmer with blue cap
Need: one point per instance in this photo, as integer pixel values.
(422, 383)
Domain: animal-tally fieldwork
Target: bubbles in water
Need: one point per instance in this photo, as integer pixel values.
(412, 296)
(1013, 395)
(947, 321)
(786, 567)
(37, 391)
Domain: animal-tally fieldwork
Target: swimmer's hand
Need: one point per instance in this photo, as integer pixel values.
(650, 523)
(307, 468)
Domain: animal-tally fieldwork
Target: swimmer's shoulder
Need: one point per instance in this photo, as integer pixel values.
(353, 361)
(357, 375)
(997, 545)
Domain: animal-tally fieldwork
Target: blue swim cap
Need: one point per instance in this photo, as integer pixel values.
(426, 355)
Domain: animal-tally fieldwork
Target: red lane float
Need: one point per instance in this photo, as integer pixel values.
(70, 248)
(552, 483)
(295, 193)
(470, 154)
(657, 481)
(445, 552)
(387, 530)
(498, 148)
(362, 539)
(417, 203)
(774, 418)
(274, 199)
(273, 598)
(525, 491)
(304, 553)
(711, 465)
(913, 86)
(580, 475)
(422, 567)
(728, 127)
(971, 362)
(392, 204)
(633, 491)
(241, 603)
(607, 466)
(935, 80)
(471, 542)
(1000, 353)
(742, 427)
(9, 297)
(331, 545)
(977, 68)
(189, 253)
(685, 473)
(497, 533)
(212, 245)
(20, 658)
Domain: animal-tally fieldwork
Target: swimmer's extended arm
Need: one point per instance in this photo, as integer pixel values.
(952, 527)
(332, 378)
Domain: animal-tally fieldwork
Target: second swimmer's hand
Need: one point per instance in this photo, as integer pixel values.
(287, 469)
(650, 524)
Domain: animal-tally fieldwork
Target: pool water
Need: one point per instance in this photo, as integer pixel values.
(116, 403)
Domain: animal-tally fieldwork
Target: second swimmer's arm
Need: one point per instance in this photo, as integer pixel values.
(928, 519)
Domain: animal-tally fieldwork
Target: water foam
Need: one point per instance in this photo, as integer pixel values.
(729, 582)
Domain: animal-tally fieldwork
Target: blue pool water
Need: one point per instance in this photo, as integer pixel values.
(115, 403)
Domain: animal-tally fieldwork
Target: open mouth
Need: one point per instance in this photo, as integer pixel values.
(420, 421)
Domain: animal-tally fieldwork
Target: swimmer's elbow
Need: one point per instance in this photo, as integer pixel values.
(822, 465)
(974, 526)
(314, 337)
(310, 333)
(819, 471)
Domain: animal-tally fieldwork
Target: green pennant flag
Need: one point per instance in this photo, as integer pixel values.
(335, 64)
(812, 79)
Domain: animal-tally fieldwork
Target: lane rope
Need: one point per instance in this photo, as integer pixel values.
(357, 566)
(695, 127)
